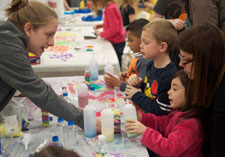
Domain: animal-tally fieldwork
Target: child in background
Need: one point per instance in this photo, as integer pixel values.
(113, 29)
(157, 41)
(177, 134)
(127, 12)
(137, 64)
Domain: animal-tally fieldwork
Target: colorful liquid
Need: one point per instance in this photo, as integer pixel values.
(108, 134)
(83, 99)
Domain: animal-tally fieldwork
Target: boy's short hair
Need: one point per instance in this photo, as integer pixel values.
(52, 151)
(163, 31)
(136, 27)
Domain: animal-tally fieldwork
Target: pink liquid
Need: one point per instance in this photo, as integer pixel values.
(83, 99)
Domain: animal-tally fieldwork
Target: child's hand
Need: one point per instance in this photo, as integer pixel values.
(130, 91)
(111, 80)
(134, 126)
(178, 24)
(123, 76)
(134, 80)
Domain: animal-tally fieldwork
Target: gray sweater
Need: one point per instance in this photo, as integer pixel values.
(16, 73)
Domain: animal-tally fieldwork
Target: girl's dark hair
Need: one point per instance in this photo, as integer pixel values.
(21, 12)
(186, 82)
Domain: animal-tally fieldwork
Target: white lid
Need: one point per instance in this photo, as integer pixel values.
(101, 138)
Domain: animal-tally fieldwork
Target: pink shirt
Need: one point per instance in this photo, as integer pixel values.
(113, 29)
(171, 136)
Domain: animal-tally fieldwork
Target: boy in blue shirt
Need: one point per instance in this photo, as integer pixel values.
(157, 41)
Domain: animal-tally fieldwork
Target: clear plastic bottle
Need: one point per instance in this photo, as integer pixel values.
(55, 142)
(101, 146)
(107, 123)
(90, 121)
(109, 69)
(70, 135)
(130, 113)
(60, 130)
(93, 63)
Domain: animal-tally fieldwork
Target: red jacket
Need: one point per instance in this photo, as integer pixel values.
(113, 29)
(171, 136)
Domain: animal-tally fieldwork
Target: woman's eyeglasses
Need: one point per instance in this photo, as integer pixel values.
(183, 61)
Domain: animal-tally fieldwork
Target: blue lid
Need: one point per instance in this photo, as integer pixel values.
(92, 88)
(60, 119)
(50, 118)
(55, 138)
(70, 123)
(65, 94)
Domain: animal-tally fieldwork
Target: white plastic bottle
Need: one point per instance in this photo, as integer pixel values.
(70, 135)
(109, 69)
(130, 113)
(107, 123)
(93, 64)
(60, 130)
(82, 95)
(60, 7)
(90, 121)
(101, 146)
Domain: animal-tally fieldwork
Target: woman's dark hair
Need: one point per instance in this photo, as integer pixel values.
(207, 45)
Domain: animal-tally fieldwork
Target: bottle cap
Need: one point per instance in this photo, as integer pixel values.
(55, 138)
(65, 94)
(60, 119)
(50, 118)
(70, 123)
(101, 138)
(92, 88)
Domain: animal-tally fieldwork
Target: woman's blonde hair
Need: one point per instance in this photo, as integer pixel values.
(21, 12)
(163, 31)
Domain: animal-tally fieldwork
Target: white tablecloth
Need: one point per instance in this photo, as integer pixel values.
(71, 53)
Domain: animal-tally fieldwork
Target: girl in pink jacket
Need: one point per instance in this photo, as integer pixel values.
(177, 134)
(113, 29)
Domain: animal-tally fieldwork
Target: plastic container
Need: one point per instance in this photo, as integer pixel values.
(107, 123)
(11, 120)
(93, 64)
(70, 135)
(109, 69)
(116, 113)
(60, 130)
(130, 113)
(82, 95)
(60, 7)
(45, 118)
(55, 142)
(101, 146)
(87, 77)
(90, 129)
(82, 4)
